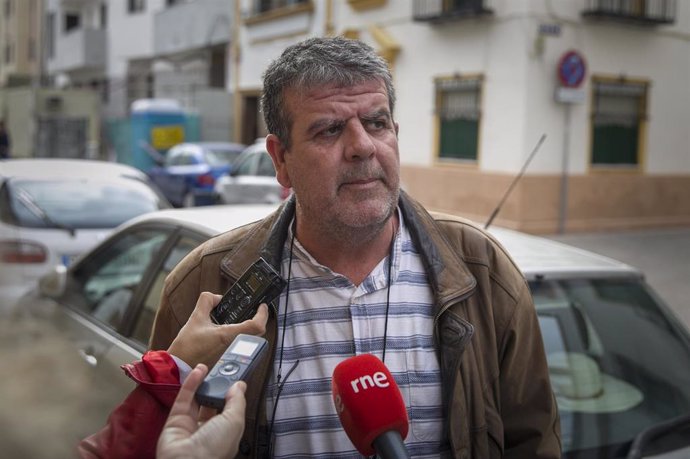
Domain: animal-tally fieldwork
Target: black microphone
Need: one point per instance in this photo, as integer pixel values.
(370, 407)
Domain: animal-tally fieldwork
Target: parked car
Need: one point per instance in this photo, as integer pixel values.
(106, 302)
(190, 170)
(252, 179)
(52, 210)
(619, 360)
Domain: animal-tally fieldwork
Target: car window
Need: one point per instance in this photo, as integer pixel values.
(105, 284)
(219, 157)
(266, 168)
(79, 203)
(186, 158)
(181, 157)
(173, 157)
(147, 312)
(246, 165)
(604, 339)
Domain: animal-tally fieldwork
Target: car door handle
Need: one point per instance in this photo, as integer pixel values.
(87, 355)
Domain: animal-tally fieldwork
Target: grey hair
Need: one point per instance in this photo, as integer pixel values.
(314, 62)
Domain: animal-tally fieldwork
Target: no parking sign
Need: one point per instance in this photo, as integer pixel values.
(571, 69)
(571, 72)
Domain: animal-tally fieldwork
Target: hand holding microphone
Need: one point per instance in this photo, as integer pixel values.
(370, 407)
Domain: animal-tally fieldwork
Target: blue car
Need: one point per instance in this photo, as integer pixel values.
(190, 170)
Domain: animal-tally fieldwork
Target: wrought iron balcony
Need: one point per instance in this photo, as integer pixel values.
(267, 6)
(438, 11)
(642, 12)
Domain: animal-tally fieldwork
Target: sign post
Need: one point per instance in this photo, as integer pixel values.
(571, 71)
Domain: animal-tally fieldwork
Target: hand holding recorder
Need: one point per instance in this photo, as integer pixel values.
(218, 437)
(202, 341)
(236, 363)
(217, 320)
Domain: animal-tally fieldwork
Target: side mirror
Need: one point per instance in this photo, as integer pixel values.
(54, 283)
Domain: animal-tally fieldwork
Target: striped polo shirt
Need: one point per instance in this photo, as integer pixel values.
(328, 320)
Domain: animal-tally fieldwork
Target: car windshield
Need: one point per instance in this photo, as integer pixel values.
(79, 204)
(221, 157)
(618, 363)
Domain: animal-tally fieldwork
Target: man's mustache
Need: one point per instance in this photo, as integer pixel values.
(362, 173)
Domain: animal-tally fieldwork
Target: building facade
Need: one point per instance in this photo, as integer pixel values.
(136, 49)
(42, 121)
(20, 41)
(478, 85)
(191, 61)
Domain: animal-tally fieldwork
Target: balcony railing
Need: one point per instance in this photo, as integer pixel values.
(267, 6)
(437, 11)
(643, 12)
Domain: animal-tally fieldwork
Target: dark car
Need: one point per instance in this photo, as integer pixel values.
(188, 175)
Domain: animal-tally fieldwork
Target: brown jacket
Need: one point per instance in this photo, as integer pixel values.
(497, 395)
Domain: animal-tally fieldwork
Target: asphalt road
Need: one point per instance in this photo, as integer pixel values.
(662, 254)
(49, 398)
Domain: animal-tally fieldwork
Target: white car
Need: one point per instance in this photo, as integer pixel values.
(53, 210)
(252, 179)
(619, 360)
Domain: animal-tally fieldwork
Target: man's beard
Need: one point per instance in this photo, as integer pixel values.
(348, 225)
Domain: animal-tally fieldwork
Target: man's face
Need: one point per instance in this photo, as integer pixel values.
(343, 162)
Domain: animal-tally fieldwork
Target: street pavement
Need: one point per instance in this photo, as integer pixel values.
(49, 398)
(662, 254)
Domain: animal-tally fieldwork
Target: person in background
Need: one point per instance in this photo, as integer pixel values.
(4, 141)
(368, 270)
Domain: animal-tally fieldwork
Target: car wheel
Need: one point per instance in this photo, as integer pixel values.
(189, 200)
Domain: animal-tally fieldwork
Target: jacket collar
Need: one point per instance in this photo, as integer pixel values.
(448, 274)
(265, 239)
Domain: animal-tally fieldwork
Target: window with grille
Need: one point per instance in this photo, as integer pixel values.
(619, 111)
(72, 21)
(136, 6)
(457, 109)
(263, 6)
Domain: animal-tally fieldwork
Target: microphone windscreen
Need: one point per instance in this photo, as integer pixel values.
(368, 401)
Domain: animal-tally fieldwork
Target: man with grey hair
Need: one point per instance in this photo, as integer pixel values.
(368, 270)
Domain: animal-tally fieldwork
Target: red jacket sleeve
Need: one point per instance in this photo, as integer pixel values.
(133, 428)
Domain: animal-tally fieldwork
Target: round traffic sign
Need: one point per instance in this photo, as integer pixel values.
(571, 69)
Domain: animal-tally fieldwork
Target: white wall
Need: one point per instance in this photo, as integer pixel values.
(520, 76)
(192, 25)
(263, 42)
(130, 36)
(660, 55)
